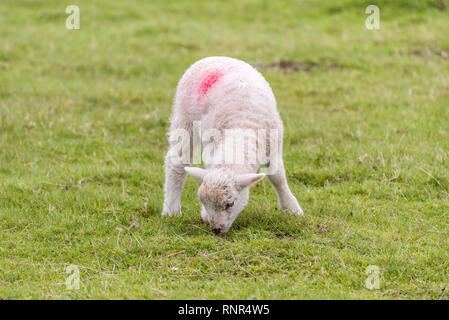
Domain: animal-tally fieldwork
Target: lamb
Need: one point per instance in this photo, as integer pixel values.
(221, 95)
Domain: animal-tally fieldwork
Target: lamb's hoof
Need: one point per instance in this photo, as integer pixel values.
(206, 221)
(292, 206)
(168, 212)
(298, 211)
(205, 216)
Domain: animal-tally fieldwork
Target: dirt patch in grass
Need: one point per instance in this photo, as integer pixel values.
(296, 66)
(429, 53)
(442, 4)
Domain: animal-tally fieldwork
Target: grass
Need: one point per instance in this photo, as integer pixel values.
(83, 121)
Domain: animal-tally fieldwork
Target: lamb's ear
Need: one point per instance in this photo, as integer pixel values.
(197, 173)
(248, 179)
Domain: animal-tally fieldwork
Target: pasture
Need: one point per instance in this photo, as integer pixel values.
(83, 121)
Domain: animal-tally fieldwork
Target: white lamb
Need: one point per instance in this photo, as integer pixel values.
(224, 93)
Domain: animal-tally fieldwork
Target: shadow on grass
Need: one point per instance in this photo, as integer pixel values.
(248, 224)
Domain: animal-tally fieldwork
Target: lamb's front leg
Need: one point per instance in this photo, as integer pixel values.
(177, 158)
(175, 176)
(286, 198)
(204, 215)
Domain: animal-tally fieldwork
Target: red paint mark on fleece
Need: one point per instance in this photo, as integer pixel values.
(208, 82)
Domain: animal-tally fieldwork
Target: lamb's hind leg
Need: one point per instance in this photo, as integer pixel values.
(175, 161)
(287, 200)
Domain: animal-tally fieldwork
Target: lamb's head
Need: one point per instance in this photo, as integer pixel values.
(223, 195)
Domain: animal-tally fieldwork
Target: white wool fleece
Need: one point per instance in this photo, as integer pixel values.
(222, 94)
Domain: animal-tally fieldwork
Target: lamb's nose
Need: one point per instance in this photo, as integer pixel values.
(217, 231)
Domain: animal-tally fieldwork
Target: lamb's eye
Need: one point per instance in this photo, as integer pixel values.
(230, 205)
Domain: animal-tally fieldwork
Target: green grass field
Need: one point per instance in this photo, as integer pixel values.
(83, 121)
